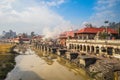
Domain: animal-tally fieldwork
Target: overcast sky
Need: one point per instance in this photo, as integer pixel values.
(53, 16)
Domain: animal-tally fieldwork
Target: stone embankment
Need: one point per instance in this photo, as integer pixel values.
(40, 65)
(97, 67)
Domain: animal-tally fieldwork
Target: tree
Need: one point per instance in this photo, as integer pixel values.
(24, 35)
(32, 34)
(88, 25)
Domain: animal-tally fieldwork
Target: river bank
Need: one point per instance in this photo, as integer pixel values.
(30, 66)
(7, 61)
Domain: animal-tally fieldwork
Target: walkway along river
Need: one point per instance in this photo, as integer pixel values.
(30, 66)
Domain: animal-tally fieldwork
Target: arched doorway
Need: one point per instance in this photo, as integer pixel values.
(97, 50)
(75, 47)
(84, 48)
(80, 47)
(70, 46)
(92, 49)
(109, 50)
(88, 48)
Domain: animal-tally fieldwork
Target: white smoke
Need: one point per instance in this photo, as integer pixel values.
(52, 32)
(16, 15)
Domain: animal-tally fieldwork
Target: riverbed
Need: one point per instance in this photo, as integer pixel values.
(30, 66)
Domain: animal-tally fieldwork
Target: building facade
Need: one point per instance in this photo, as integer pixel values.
(64, 36)
(91, 40)
(96, 33)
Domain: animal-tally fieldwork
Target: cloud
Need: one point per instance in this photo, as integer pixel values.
(105, 10)
(105, 4)
(27, 16)
(54, 2)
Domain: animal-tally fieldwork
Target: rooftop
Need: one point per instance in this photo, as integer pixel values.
(95, 30)
(67, 34)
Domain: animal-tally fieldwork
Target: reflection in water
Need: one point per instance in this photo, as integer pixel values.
(44, 67)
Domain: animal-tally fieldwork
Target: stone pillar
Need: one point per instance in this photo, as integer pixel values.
(106, 51)
(37, 46)
(40, 47)
(47, 49)
(82, 48)
(79, 48)
(90, 49)
(43, 48)
(100, 51)
(94, 49)
(113, 51)
(86, 49)
(82, 37)
(87, 37)
(71, 46)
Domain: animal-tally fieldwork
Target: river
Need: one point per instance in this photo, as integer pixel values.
(30, 66)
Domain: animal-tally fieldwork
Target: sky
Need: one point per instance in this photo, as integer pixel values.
(51, 17)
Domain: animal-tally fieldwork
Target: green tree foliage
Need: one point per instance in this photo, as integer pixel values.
(24, 35)
(114, 25)
(103, 35)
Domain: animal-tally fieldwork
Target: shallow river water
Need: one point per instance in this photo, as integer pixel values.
(32, 67)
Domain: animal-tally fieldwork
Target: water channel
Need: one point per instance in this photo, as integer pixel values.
(30, 66)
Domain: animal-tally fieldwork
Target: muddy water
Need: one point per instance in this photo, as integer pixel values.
(33, 67)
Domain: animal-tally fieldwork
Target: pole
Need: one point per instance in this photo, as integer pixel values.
(106, 29)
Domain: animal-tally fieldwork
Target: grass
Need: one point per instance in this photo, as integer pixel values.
(6, 60)
(5, 48)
